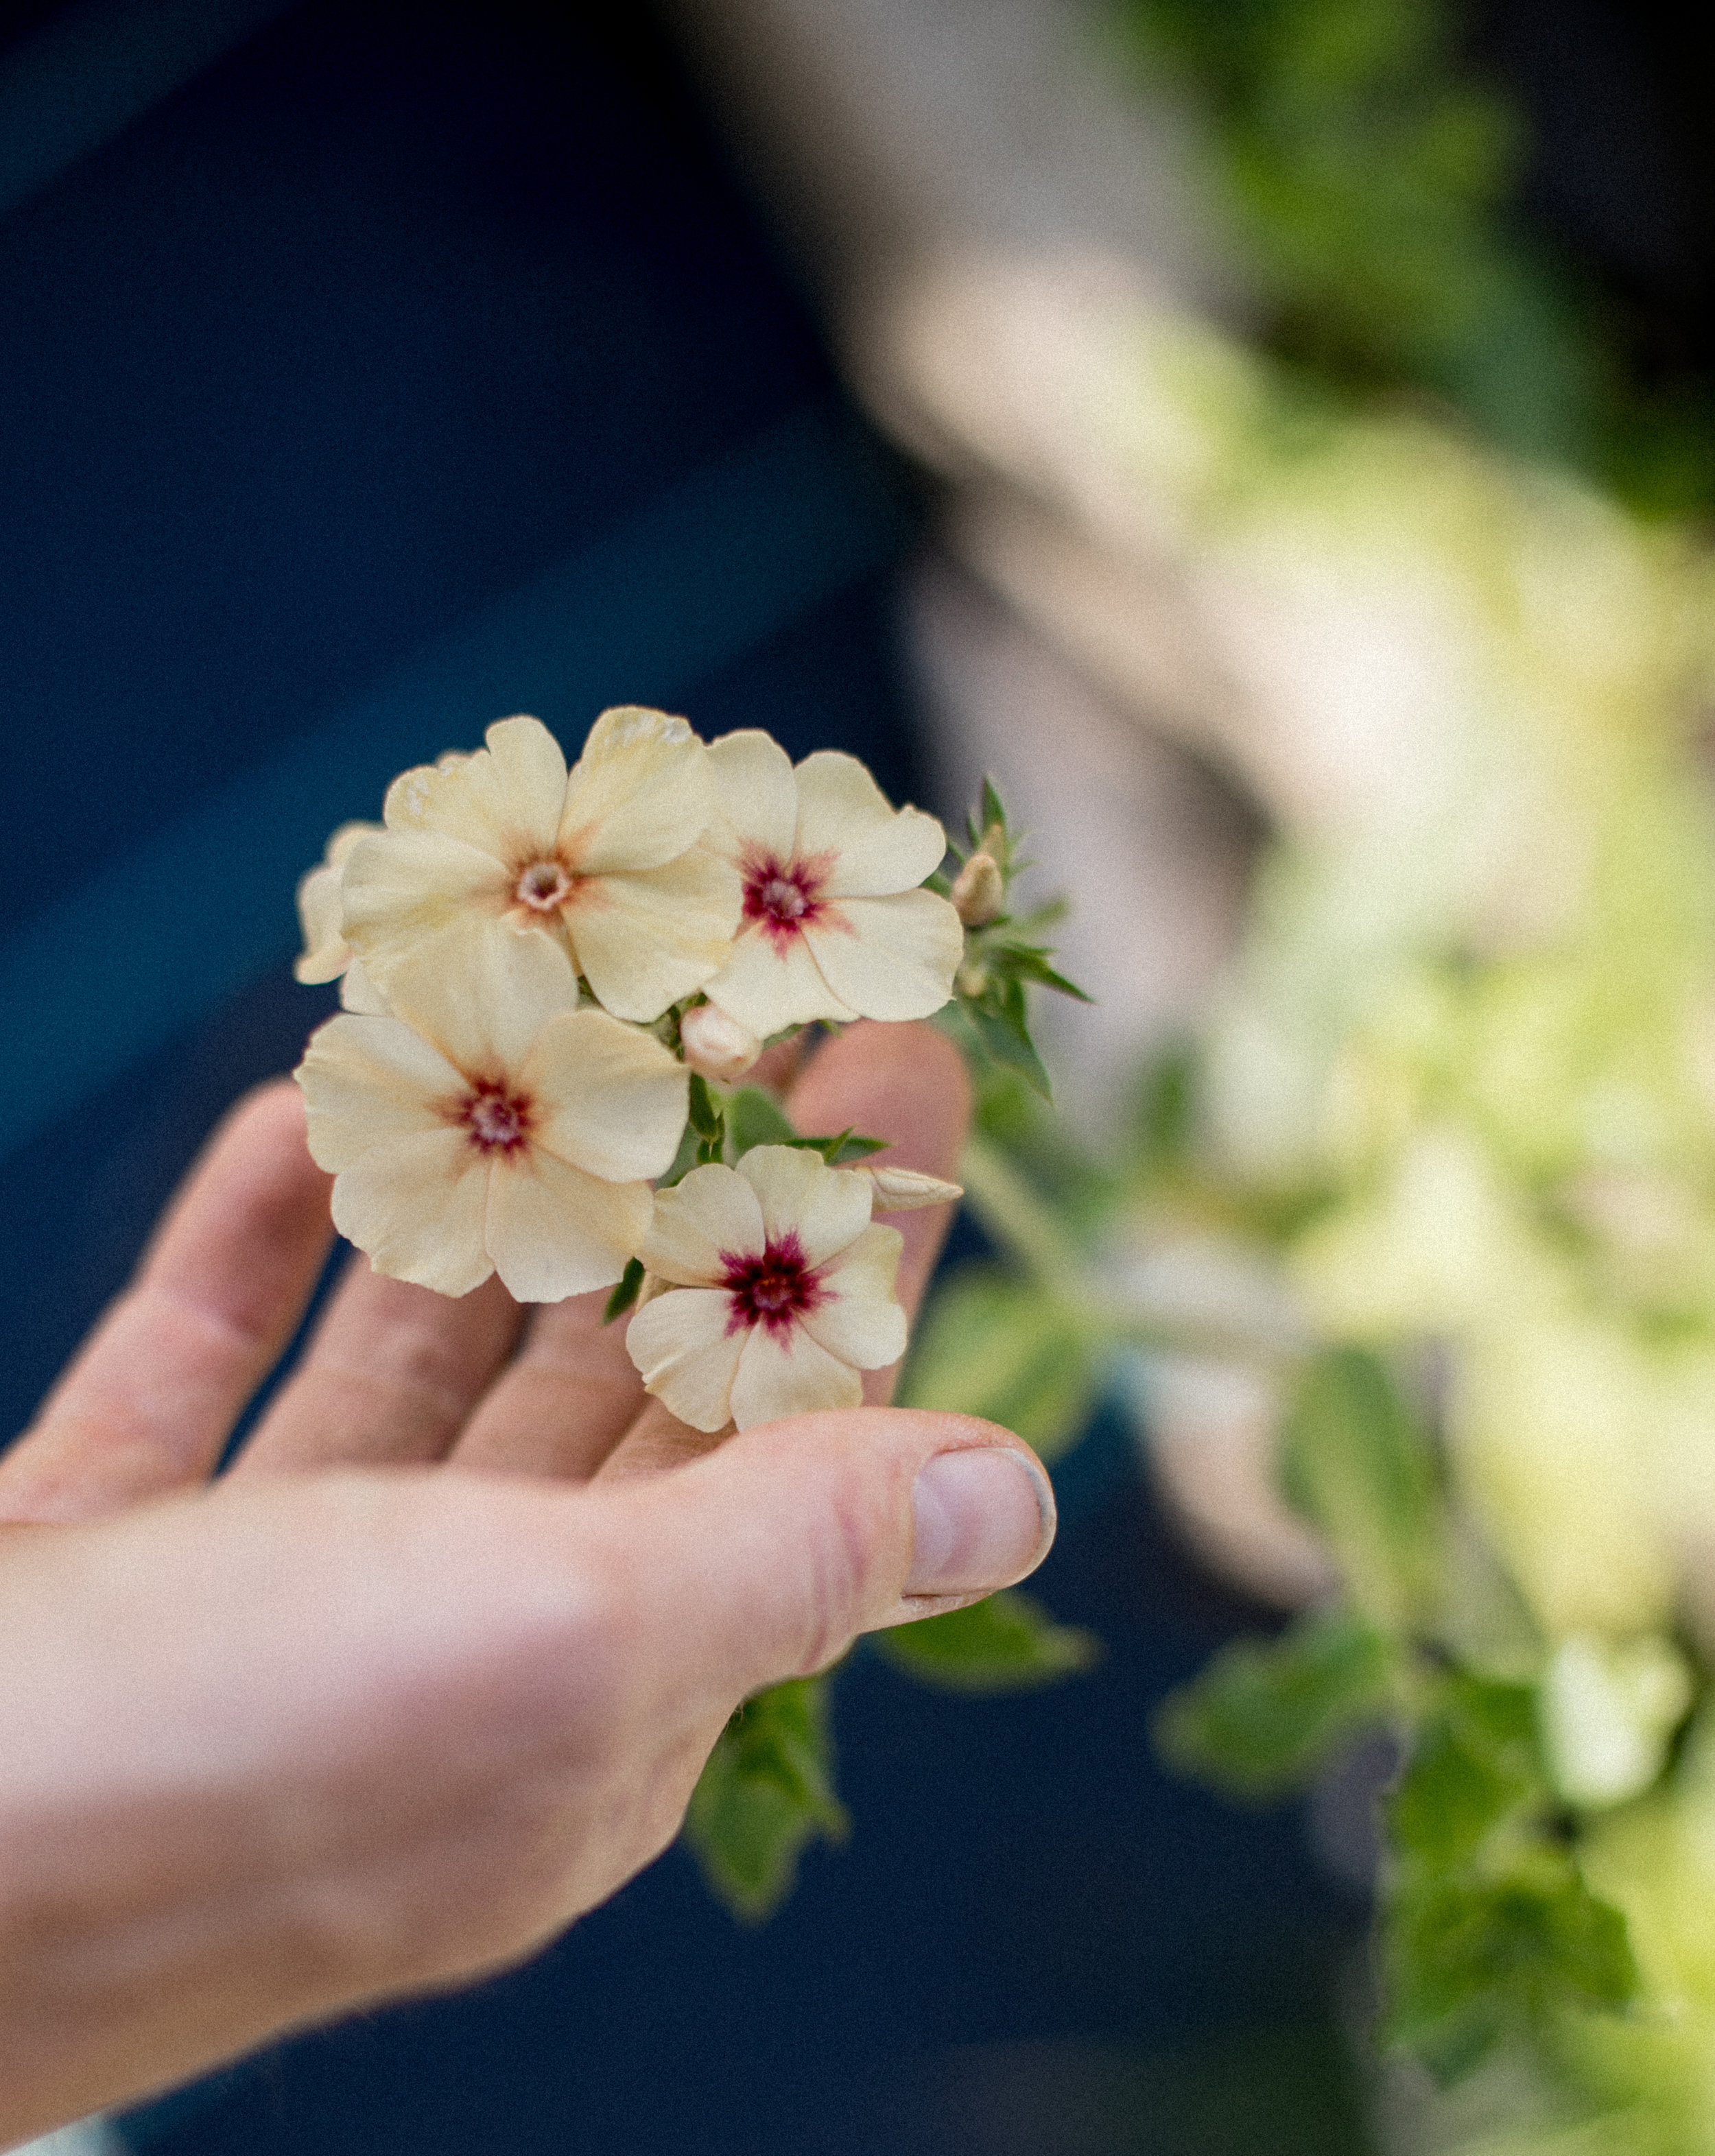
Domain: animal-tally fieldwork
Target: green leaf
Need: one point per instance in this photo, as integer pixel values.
(1467, 1960)
(626, 1292)
(705, 1113)
(1005, 1036)
(1355, 1463)
(1008, 1643)
(766, 1793)
(1476, 1767)
(756, 1118)
(989, 1344)
(846, 1145)
(686, 1158)
(1264, 1714)
(1023, 961)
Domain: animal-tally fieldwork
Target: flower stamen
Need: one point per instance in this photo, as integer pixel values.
(782, 897)
(544, 886)
(498, 1120)
(773, 1289)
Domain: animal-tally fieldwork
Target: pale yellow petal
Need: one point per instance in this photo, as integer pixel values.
(860, 1319)
(639, 795)
(888, 957)
(401, 889)
(483, 993)
(368, 1080)
(756, 795)
(787, 1373)
(554, 1231)
(526, 785)
(768, 987)
(609, 1099)
(506, 799)
(687, 1358)
(712, 1214)
(801, 1195)
(325, 954)
(359, 994)
(320, 908)
(876, 849)
(647, 937)
(416, 1205)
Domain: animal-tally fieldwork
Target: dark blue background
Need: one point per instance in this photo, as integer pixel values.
(383, 318)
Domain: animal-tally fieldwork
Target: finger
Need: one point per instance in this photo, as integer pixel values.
(149, 1403)
(567, 1398)
(390, 1375)
(906, 1081)
(765, 1560)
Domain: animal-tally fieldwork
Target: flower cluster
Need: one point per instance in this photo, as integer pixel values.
(542, 969)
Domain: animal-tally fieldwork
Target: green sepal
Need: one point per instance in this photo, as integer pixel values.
(1356, 1464)
(1264, 1716)
(706, 1119)
(1006, 1643)
(625, 1291)
(993, 1345)
(765, 1795)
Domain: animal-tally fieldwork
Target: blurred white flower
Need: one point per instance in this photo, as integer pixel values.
(782, 1291)
(717, 1046)
(500, 1130)
(833, 924)
(1608, 1712)
(327, 955)
(605, 866)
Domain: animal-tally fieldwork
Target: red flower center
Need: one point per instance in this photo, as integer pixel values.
(498, 1120)
(774, 1289)
(781, 896)
(543, 886)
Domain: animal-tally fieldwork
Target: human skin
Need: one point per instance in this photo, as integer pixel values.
(434, 1667)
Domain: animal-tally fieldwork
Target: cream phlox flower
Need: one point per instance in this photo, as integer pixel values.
(782, 1291)
(834, 925)
(602, 864)
(327, 955)
(492, 1127)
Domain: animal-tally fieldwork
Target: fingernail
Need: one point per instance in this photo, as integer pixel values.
(984, 1518)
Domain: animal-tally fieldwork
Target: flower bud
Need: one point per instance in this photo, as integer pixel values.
(979, 891)
(717, 1046)
(906, 1189)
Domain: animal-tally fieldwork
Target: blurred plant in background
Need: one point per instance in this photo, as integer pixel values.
(1374, 175)
(1414, 1247)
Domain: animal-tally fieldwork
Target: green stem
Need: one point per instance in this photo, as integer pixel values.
(1024, 1225)
(1021, 1222)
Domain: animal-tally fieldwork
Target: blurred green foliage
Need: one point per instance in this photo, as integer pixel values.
(1373, 177)
(765, 1794)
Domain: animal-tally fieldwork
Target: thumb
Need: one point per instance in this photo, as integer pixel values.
(773, 1552)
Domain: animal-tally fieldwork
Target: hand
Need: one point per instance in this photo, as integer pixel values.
(434, 1668)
